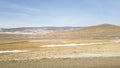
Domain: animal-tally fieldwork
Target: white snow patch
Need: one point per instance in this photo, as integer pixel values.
(82, 44)
(85, 55)
(13, 51)
(27, 32)
(115, 41)
(16, 33)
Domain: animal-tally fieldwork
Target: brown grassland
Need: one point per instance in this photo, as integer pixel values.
(41, 57)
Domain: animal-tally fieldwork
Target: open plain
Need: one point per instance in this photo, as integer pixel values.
(89, 47)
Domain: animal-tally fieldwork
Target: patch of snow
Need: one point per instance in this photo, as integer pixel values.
(27, 31)
(13, 51)
(115, 41)
(14, 33)
(84, 55)
(82, 44)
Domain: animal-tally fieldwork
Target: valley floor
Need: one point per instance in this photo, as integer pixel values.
(95, 53)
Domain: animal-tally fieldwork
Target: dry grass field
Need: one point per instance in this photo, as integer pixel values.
(101, 62)
(90, 47)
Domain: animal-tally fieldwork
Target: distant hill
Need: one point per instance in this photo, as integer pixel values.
(39, 28)
(103, 31)
(98, 31)
(34, 30)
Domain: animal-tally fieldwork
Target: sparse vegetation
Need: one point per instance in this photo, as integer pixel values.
(32, 43)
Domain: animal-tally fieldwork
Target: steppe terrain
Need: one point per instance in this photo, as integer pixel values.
(87, 47)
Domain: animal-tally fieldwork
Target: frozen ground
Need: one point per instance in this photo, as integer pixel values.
(13, 51)
(27, 32)
(82, 44)
(82, 55)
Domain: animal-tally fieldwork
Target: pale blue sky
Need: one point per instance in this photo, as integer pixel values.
(37, 13)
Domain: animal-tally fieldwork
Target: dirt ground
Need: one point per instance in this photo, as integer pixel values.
(101, 62)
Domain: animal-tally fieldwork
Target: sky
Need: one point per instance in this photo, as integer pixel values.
(39, 13)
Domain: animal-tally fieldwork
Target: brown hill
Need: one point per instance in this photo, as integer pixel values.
(104, 31)
(99, 31)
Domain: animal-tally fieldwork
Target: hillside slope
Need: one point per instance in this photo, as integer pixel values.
(104, 31)
(98, 31)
